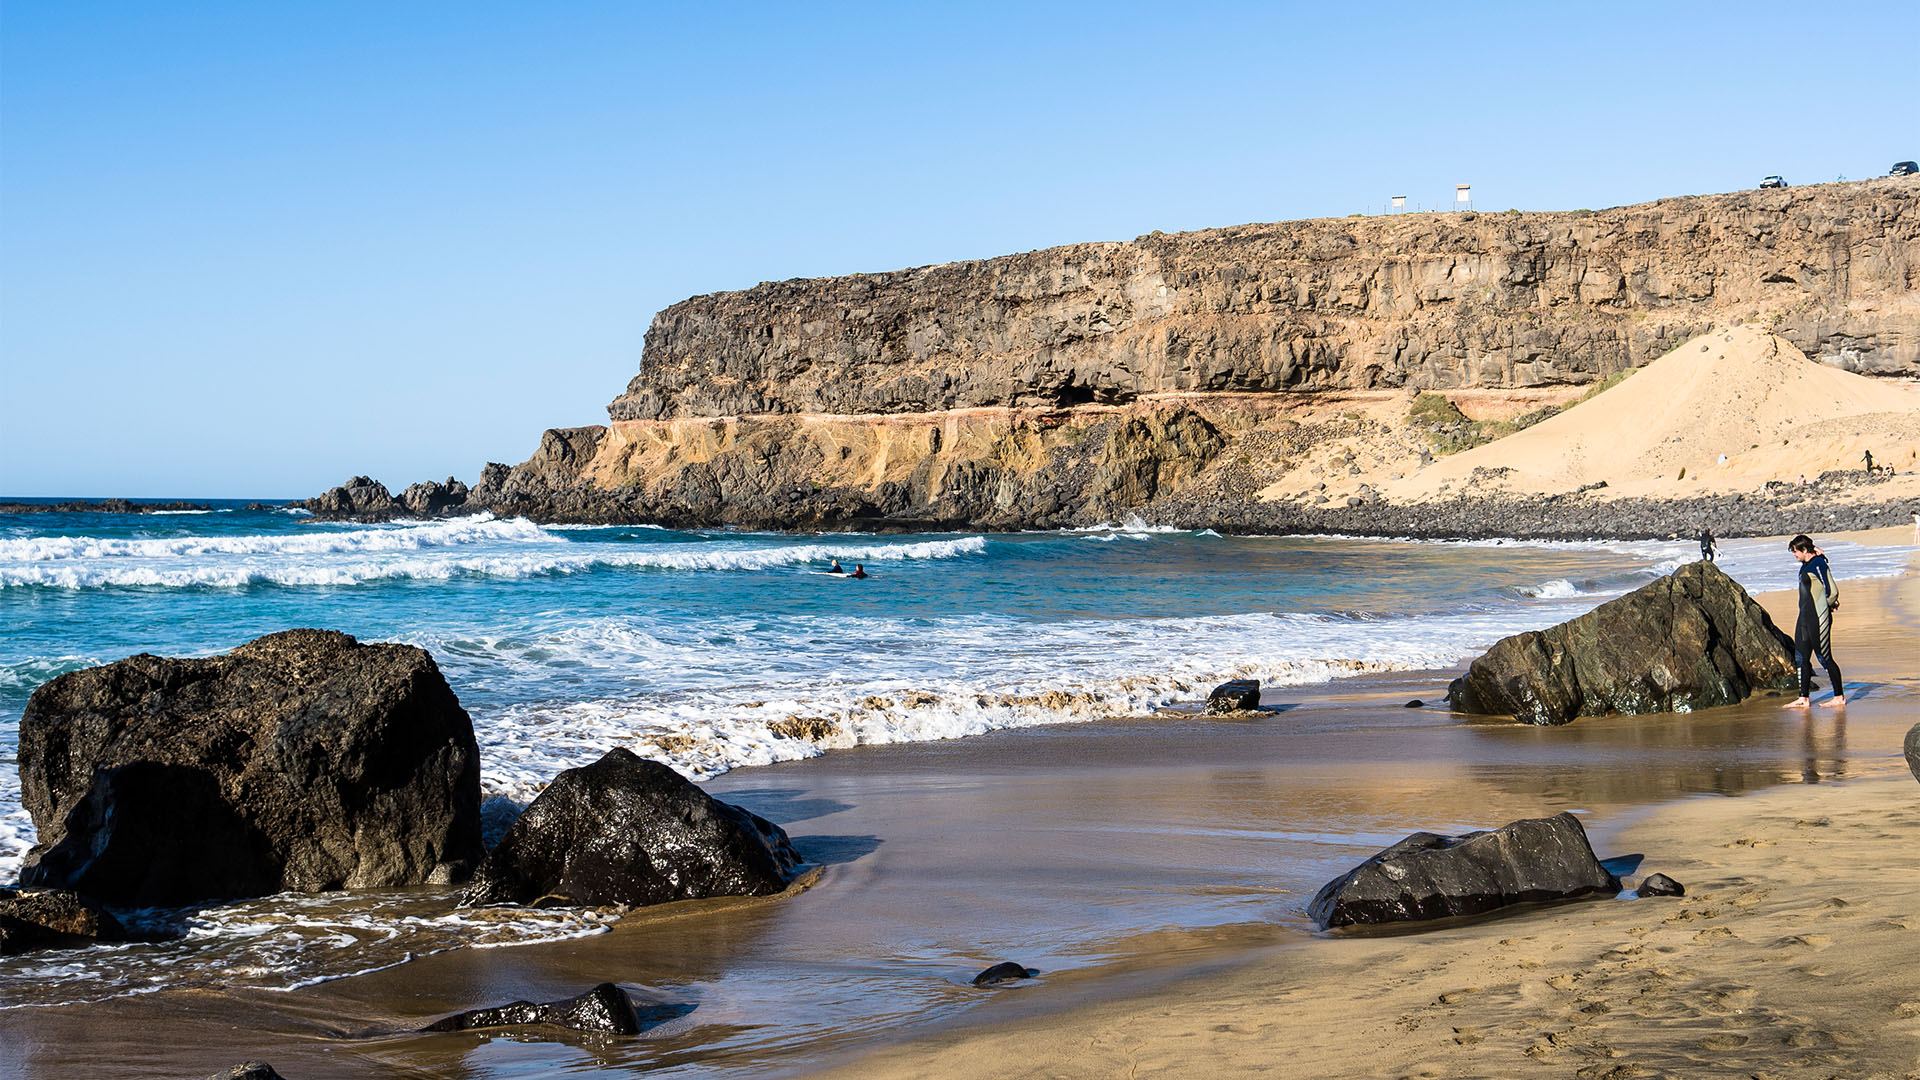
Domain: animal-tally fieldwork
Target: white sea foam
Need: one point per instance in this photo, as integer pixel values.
(478, 546)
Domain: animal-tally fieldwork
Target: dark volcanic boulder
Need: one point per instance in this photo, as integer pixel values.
(431, 498)
(1004, 972)
(1239, 695)
(605, 1008)
(1661, 885)
(1690, 640)
(248, 1070)
(627, 831)
(52, 919)
(301, 760)
(1913, 751)
(1428, 876)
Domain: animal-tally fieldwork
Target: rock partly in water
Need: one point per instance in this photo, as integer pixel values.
(302, 760)
(1690, 640)
(605, 1009)
(1428, 876)
(52, 919)
(1416, 703)
(360, 499)
(1004, 972)
(248, 1070)
(627, 831)
(1239, 695)
(1661, 885)
(1913, 751)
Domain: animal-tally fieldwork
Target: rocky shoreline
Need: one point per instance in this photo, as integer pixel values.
(102, 506)
(1836, 501)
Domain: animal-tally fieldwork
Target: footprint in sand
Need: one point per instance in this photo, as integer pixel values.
(1712, 933)
(1725, 1041)
(1907, 1010)
(1809, 941)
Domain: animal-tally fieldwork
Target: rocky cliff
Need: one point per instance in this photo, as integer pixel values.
(1185, 372)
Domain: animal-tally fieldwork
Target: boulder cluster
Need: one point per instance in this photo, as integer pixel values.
(307, 761)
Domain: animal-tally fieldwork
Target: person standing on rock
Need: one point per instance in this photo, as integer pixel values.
(1869, 456)
(1708, 548)
(1813, 630)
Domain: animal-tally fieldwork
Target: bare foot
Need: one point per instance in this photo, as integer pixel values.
(1834, 702)
(1796, 703)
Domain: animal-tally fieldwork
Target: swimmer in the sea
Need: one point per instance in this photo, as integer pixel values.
(859, 571)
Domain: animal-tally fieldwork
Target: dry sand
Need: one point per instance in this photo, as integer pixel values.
(1740, 392)
(1795, 953)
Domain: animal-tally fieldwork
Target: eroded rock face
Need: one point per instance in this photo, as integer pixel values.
(1426, 301)
(1428, 876)
(605, 1009)
(1690, 640)
(52, 919)
(627, 831)
(302, 760)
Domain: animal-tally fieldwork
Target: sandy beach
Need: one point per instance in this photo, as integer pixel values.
(1792, 954)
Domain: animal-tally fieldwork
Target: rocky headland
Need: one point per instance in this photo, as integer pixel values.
(1269, 378)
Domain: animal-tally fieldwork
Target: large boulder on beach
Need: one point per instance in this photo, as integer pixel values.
(302, 760)
(1913, 751)
(1429, 876)
(1689, 640)
(52, 919)
(626, 831)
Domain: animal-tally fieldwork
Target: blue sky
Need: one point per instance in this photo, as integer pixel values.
(251, 249)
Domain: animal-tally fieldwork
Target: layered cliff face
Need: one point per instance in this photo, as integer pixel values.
(1419, 300)
(1225, 375)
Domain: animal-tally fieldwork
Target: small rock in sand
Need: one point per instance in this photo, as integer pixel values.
(1661, 885)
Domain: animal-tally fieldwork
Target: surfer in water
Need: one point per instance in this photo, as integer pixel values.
(835, 568)
(859, 571)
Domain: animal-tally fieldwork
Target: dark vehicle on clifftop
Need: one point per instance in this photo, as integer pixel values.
(1903, 168)
(1773, 181)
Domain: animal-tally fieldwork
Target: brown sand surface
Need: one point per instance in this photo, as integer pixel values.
(1795, 953)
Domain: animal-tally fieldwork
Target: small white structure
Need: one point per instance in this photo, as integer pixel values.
(1463, 196)
(1399, 202)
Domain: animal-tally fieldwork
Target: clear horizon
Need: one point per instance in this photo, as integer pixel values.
(263, 249)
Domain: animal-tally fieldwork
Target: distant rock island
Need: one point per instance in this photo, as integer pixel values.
(1256, 378)
(100, 506)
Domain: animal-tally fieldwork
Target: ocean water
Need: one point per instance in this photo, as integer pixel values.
(699, 648)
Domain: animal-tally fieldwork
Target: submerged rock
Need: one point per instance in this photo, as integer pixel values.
(605, 1009)
(1428, 876)
(1690, 640)
(1004, 972)
(52, 919)
(1661, 885)
(1238, 695)
(627, 831)
(302, 760)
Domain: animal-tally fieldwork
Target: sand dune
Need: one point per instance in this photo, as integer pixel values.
(1735, 409)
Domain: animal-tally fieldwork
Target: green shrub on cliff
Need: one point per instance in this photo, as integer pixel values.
(1449, 431)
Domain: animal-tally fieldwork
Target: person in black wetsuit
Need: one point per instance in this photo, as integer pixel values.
(1813, 630)
(859, 570)
(1707, 546)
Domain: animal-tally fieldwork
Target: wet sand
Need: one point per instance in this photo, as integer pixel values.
(1793, 953)
(1157, 870)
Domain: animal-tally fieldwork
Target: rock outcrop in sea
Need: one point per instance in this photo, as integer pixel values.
(301, 760)
(1690, 640)
(628, 831)
(1168, 376)
(1429, 876)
